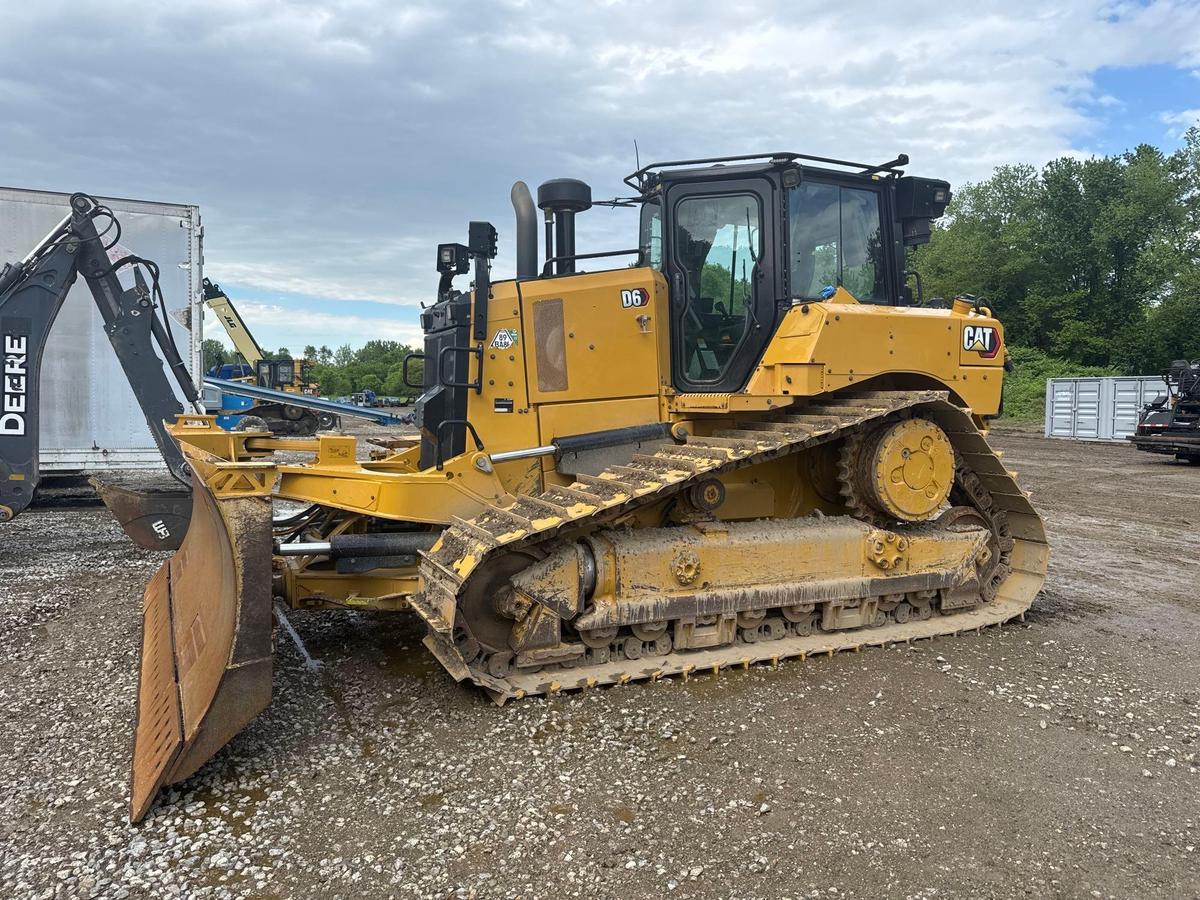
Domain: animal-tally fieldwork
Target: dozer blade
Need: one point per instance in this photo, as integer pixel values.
(156, 518)
(206, 641)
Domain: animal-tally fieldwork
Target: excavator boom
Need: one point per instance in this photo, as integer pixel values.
(285, 397)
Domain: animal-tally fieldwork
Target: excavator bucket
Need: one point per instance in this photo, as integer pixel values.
(205, 668)
(154, 518)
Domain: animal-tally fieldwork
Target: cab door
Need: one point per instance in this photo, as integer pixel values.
(721, 269)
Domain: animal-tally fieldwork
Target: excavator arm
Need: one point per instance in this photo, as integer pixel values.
(31, 294)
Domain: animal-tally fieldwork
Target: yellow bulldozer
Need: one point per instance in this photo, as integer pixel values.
(743, 440)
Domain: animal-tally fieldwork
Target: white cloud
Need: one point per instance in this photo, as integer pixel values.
(1181, 120)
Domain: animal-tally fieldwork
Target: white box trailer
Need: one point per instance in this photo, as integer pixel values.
(1098, 409)
(90, 420)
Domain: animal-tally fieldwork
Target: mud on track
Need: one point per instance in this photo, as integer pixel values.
(1055, 758)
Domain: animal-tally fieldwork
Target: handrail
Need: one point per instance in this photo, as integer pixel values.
(576, 256)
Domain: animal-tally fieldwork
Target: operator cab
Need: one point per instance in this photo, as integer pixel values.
(740, 244)
(739, 240)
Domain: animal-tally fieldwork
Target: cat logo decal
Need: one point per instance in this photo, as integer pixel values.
(982, 339)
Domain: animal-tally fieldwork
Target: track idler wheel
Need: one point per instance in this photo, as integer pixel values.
(484, 606)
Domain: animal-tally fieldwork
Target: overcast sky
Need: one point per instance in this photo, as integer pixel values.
(331, 146)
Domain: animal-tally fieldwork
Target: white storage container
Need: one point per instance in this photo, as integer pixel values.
(1098, 409)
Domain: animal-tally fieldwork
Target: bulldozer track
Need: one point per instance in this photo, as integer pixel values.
(533, 522)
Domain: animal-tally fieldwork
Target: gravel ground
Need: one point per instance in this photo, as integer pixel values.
(1054, 758)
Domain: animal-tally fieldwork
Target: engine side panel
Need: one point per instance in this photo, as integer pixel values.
(596, 336)
(821, 347)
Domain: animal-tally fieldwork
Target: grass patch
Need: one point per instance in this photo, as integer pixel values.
(1025, 386)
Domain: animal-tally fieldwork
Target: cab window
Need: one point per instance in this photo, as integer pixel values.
(716, 245)
(650, 235)
(835, 238)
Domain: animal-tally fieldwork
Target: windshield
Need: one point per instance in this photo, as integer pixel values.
(835, 240)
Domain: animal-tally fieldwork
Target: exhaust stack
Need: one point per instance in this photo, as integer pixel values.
(522, 202)
(560, 199)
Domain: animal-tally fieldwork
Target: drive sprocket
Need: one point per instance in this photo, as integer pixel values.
(900, 471)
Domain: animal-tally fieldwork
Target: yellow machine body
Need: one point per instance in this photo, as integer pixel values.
(579, 366)
(843, 495)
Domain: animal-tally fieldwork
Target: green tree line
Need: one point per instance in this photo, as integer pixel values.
(1095, 260)
(1093, 265)
(376, 366)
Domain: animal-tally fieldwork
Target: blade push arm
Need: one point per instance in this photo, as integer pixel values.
(31, 294)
